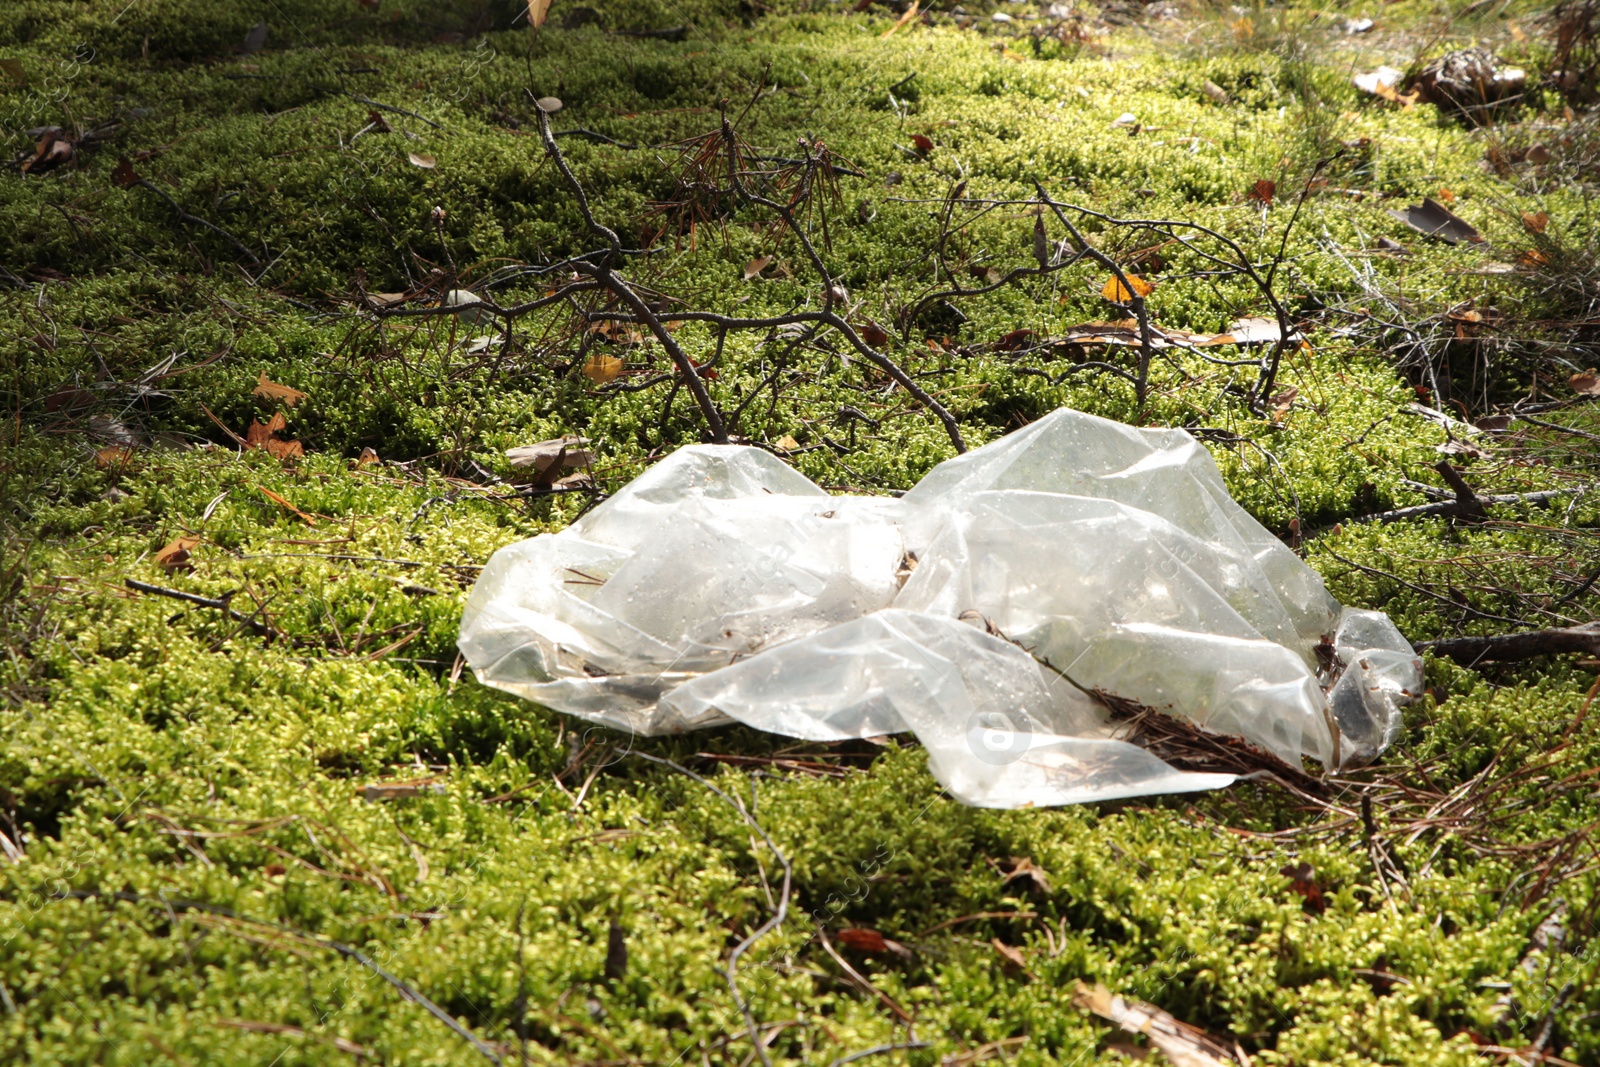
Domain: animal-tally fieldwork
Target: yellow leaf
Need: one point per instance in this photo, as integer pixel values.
(601, 368)
(787, 443)
(273, 391)
(1117, 293)
(538, 10)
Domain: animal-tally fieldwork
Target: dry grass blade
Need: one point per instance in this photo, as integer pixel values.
(1183, 1044)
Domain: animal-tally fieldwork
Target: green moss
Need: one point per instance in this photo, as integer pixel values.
(165, 753)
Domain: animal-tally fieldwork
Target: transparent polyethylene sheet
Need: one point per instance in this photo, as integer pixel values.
(977, 611)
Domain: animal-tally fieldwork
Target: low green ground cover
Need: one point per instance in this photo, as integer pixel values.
(187, 802)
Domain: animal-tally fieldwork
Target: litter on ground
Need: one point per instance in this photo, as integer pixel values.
(995, 611)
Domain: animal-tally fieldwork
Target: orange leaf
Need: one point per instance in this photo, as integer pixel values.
(1264, 190)
(176, 554)
(1447, 196)
(273, 391)
(601, 368)
(1117, 293)
(113, 456)
(275, 498)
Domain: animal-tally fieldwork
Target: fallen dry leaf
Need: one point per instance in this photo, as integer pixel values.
(273, 391)
(786, 443)
(1118, 293)
(538, 11)
(1303, 880)
(1537, 154)
(175, 555)
(1384, 83)
(124, 176)
(1183, 1044)
(551, 459)
(1214, 91)
(1263, 191)
(419, 159)
(264, 435)
(1023, 869)
(1535, 222)
(1011, 956)
(113, 456)
(1585, 382)
(1436, 220)
(549, 104)
(754, 268)
(600, 368)
(922, 143)
(368, 455)
(873, 334)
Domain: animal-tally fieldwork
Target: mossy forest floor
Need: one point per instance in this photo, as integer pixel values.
(193, 850)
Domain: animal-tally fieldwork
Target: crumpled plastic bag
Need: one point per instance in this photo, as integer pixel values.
(981, 611)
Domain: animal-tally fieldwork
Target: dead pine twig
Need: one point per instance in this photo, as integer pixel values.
(405, 990)
(1511, 648)
(779, 914)
(217, 604)
(602, 271)
(831, 290)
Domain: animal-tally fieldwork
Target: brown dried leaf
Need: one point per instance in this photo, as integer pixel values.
(1538, 154)
(786, 443)
(538, 11)
(862, 940)
(420, 159)
(368, 455)
(922, 143)
(1263, 191)
(1214, 91)
(911, 13)
(1183, 1044)
(754, 268)
(1585, 382)
(1023, 869)
(1012, 958)
(1535, 222)
(273, 391)
(124, 176)
(873, 334)
(176, 555)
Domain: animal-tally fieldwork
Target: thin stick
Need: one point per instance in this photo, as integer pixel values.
(219, 604)
(766, 927)
(602, 273)
(340, 947)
